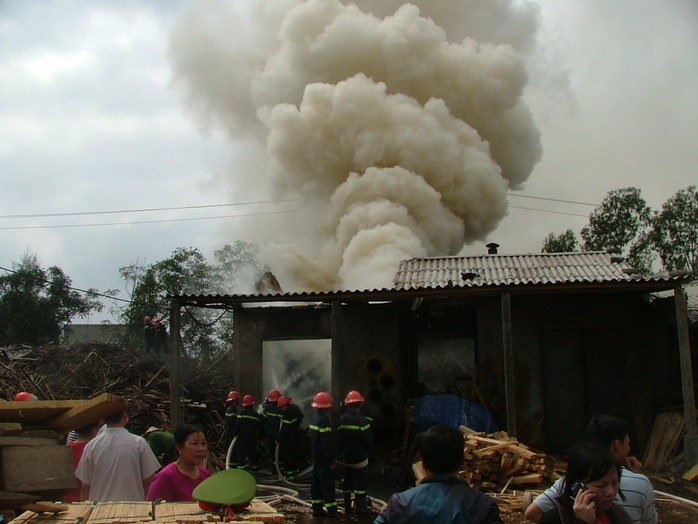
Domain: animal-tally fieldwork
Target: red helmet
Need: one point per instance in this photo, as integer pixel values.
(232, 396)
(147, 320)
(283, 401)
(353, 397)
(273, 395)
(247, 401)
(24, 396)
(322, 400)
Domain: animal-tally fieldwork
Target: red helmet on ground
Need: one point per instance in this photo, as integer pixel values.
(232, 396)
(322, 400)
(247, 401)
(273, 395)
(24, 396)
(353, 397)
(283, 401)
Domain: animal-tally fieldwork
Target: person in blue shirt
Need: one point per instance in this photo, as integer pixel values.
(442, 497)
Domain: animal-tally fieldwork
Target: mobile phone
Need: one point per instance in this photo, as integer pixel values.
(577, 486)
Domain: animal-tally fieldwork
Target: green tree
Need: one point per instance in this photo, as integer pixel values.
(622, 222)
(36, 304)
(186, 271)
(563, 243)
(675, 231)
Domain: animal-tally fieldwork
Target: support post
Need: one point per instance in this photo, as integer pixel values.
(175, 364)
(508, 348)
(690, 443)
(336, 358)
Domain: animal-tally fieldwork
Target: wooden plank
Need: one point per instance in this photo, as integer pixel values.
(691, 474)
(35, 413)
(37, 469)
(87, 412)
(45, 507)
(27, 441)
(13, 500)
(75, 513)
(512, 447)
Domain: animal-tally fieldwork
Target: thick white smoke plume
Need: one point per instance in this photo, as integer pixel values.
(400, 126)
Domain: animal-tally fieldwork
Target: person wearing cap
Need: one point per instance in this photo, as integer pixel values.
(356, 443)
(322, 480)
(162, 443)
(271, 416)
(292, 416)
(247, 425)
(231, 414)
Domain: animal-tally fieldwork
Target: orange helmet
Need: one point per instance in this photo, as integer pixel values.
(322, 400)
(24, 396)
(232, 396)
(247, 401)
(273, 395)
(283, 401)
(353, 397)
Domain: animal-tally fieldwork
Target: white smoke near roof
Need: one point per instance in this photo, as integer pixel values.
(400, 126)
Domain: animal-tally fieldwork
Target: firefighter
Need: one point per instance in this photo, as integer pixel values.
(356, 443)
(322, 480)
(148, 335)
(231, 414)
(161, 337)
(246, 429)
(271, 416)
(292, 416)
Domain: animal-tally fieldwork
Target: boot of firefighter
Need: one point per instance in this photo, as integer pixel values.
(318, 510)
(362, 505)
(347, 504)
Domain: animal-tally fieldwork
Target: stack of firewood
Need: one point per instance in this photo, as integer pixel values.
(497, 462)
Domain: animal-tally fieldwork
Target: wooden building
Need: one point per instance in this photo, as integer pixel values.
(543, 341)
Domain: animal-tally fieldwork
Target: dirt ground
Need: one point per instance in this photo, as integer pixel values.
(382, 485)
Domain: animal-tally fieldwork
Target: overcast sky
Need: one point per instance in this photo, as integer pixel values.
(91, 123)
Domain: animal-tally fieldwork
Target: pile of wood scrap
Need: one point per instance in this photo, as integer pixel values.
(82, 371)
(496, 462)
(667, 432)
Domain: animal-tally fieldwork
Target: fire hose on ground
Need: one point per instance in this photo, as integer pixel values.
(291, 495)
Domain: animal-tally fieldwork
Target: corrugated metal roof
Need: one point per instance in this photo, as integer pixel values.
(513, 270)
(486, 274)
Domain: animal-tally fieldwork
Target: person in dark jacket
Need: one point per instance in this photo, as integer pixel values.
(356, 443)
(246, 430)
(322, 480)
(161, 337)
(148, 335)
(292, 416)
(231, 415)
(271, 416)
(442, 497)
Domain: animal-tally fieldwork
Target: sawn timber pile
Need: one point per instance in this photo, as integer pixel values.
(84, 371)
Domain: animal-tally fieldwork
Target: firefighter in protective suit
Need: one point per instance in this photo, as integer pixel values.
(356, 443)
(246, 430)
(231, 415)
(322, 480)
(288, 434)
